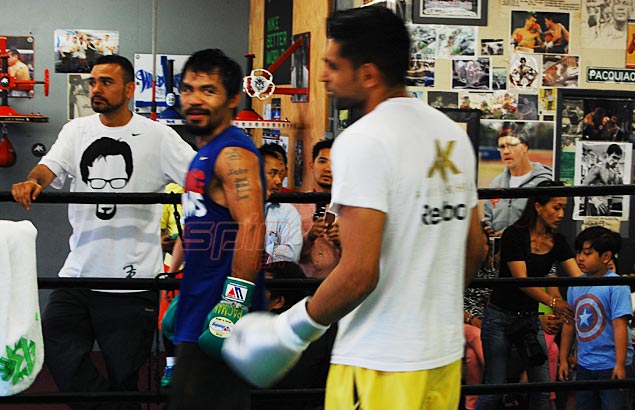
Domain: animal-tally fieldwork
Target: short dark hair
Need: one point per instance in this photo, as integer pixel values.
(279, 149)
(375, 35)
(512, 129)
(266, 150)
(121, 61)
(319, 146)
(287, 270)
(614, 149)
(14, 52)
(601, 239)
(214, 60)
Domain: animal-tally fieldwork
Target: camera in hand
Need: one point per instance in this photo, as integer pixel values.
(523, 333)
(321, 210)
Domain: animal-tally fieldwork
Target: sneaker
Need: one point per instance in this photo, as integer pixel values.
(166, 380)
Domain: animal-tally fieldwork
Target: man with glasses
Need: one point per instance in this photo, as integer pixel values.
(519, 173)
(114, 151)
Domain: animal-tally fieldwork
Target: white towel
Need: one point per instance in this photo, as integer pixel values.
(21, 344)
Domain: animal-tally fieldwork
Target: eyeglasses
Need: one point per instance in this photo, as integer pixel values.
(100, 183)
(509, 146)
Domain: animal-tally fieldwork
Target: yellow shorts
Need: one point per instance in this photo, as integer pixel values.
(355, 388)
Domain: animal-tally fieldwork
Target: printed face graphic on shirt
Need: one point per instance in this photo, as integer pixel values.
(106, 165)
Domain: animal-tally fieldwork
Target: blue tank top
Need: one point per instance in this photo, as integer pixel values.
(209, 237)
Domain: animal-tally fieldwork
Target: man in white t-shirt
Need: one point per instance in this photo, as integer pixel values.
(404, 190)
(112, 151)
(519, 172)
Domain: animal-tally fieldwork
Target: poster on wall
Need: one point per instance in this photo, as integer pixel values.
(492, 47)
(602, 163)
(493, 104)
(278, 35)
(21, 61)
(423, 40)
(591, 115)
(456, 41)
(560, 71)
(466, 12)
(78, 91)
(75, 50)
(524, 71)
(547, 101)
(420, 72)
(443, 99)
(630, 45)
(473, 74)
(560, 5)
(143, 82)
(492, 162)
(298, 163)
(527, 107)
(499, 78)
(300, 67)
(417, 92)
(605, 23)
(540, 32)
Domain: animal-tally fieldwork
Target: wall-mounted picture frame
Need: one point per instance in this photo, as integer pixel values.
(590, 115)
(462, 12)
(470, 120)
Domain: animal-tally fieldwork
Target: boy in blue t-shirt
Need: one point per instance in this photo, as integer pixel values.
(602, 314)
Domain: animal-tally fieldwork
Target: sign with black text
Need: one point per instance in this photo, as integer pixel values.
(278, 37)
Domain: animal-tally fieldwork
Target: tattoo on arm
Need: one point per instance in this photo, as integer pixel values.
(238, 173)
(243, 188)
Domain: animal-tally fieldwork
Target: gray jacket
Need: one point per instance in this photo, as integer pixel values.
(501, 213)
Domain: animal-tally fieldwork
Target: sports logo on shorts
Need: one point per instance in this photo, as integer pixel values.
(235, 293)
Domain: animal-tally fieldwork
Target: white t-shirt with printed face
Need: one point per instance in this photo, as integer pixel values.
(108, 240)
(412, 163)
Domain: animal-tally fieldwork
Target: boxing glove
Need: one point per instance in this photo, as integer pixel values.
(235, 302)
(263, 346)
(167, 323)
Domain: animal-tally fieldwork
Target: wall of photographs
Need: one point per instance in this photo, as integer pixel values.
(562, 74)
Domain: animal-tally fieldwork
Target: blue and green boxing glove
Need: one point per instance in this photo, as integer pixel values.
(234, 304)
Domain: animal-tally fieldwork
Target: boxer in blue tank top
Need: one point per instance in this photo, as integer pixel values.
(223, 206)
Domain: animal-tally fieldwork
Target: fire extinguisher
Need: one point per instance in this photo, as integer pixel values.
(7, 153)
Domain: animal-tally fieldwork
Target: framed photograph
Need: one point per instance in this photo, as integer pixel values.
(540, 141)
(75, 50)
(470, 120)
(590, 115)
(462, 12)
(602, 163)
(21, 62)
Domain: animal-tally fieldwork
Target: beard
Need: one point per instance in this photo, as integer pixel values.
(105, 106)
(199, 130)
(325, 186)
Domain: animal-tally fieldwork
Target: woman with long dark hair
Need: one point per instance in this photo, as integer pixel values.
(529, 248)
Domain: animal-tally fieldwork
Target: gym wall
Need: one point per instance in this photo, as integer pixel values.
(183, 27)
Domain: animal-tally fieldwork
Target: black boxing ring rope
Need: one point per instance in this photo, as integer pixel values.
(311, 284)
